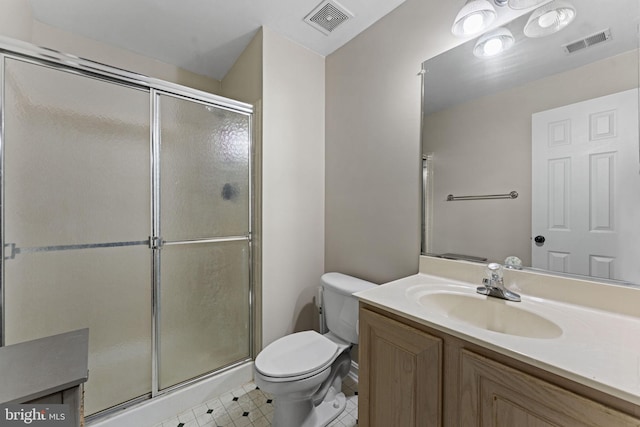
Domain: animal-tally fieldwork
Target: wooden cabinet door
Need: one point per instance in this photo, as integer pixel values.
(399, 374)
(493, 394)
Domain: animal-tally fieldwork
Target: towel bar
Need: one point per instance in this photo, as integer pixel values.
(512, 195)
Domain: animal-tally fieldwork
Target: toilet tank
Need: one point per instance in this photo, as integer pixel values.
(340, 306)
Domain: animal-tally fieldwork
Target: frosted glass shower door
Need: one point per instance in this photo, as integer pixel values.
(204, 224)
(76, 180)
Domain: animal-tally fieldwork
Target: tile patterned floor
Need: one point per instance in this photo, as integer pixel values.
(249, 406)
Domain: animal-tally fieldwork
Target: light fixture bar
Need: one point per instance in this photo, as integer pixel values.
(524, 4)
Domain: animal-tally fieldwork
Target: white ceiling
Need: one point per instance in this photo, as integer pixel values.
(203, 36)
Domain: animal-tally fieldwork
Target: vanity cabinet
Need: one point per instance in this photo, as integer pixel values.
(494, 394)
(413, 375)
(399, 374)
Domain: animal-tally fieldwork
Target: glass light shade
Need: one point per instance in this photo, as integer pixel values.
(524, 4)
(474, 17)
(494, 43)
(549, 19)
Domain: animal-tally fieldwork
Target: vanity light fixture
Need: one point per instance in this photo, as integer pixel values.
(494, 43)
(550, 18)
(474, 17)
(524, 4)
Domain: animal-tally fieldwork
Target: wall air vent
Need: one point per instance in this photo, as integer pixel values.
(599, 37)
(328, 16)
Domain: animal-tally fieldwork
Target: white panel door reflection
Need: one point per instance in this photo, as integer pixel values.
(586, 206)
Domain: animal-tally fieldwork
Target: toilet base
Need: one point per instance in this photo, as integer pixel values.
(329, 411)
(302, 413)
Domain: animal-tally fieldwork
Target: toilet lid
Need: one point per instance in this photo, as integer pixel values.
(296, 354)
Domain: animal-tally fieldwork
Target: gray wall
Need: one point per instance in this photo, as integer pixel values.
(372, 223)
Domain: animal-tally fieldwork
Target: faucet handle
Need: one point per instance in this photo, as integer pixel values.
(495, 271)
(494, 286)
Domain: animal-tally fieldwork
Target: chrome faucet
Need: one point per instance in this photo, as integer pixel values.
(493, 285)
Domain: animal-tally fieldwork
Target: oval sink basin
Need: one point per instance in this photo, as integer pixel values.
(489, 313)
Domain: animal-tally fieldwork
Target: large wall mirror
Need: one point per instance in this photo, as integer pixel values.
(534, 152)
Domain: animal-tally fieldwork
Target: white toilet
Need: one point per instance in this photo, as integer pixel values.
(304, 371)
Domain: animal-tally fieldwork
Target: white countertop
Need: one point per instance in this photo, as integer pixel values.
(597, 348)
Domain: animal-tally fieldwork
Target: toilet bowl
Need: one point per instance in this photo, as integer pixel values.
(304, 370)
(294, 368)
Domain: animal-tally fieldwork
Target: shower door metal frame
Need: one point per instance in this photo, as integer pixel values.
(157, 242)
(27, 52)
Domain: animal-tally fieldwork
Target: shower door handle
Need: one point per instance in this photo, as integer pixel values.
(13, 251)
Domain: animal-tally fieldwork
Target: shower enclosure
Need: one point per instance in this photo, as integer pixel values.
(127, 209)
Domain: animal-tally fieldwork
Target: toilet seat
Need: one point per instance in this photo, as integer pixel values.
(296, 356)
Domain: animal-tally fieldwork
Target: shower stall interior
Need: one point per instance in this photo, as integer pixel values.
(127, 209)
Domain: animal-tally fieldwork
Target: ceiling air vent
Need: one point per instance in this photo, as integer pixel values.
(328, 16)
(599, 37)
